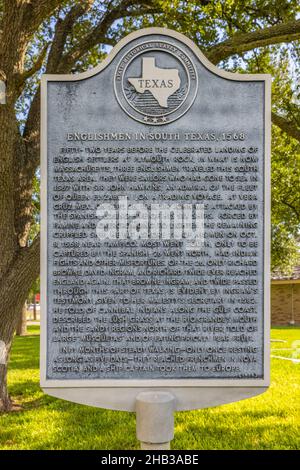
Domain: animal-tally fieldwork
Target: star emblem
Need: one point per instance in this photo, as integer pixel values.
(155, 120)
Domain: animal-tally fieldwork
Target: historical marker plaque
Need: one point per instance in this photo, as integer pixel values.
(155, 225)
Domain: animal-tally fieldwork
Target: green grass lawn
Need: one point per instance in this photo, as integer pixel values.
(269, 421)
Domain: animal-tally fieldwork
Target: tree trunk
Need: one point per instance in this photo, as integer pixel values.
(5, 346)
(21, 329)
(7, 330)
(14, 289)
(5, 401)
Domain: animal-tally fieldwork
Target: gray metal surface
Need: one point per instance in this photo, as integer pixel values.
(152, 309)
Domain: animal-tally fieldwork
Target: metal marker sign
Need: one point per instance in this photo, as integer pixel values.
(155, 228)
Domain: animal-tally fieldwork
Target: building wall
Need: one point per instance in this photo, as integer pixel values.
(285, 304)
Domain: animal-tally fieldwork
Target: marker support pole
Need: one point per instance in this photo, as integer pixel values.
(155, 419)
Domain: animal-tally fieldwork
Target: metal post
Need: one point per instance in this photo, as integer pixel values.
(155, 420)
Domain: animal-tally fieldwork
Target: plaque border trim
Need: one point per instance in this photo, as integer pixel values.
(245, 388)
(170, 113)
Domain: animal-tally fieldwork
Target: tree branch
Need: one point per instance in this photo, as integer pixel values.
(35, 68)
(98, 35)
(287, 126)
(36, 11)
(243, 42)
(292, 208)
(62, 30)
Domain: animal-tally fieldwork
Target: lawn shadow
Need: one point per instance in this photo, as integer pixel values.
(96, 429)
(25, 353)
(26, 388)
(246, 429)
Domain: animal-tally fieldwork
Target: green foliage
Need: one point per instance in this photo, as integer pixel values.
(269, 421)
(285, 159)
(209, 22)
(285, 201)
